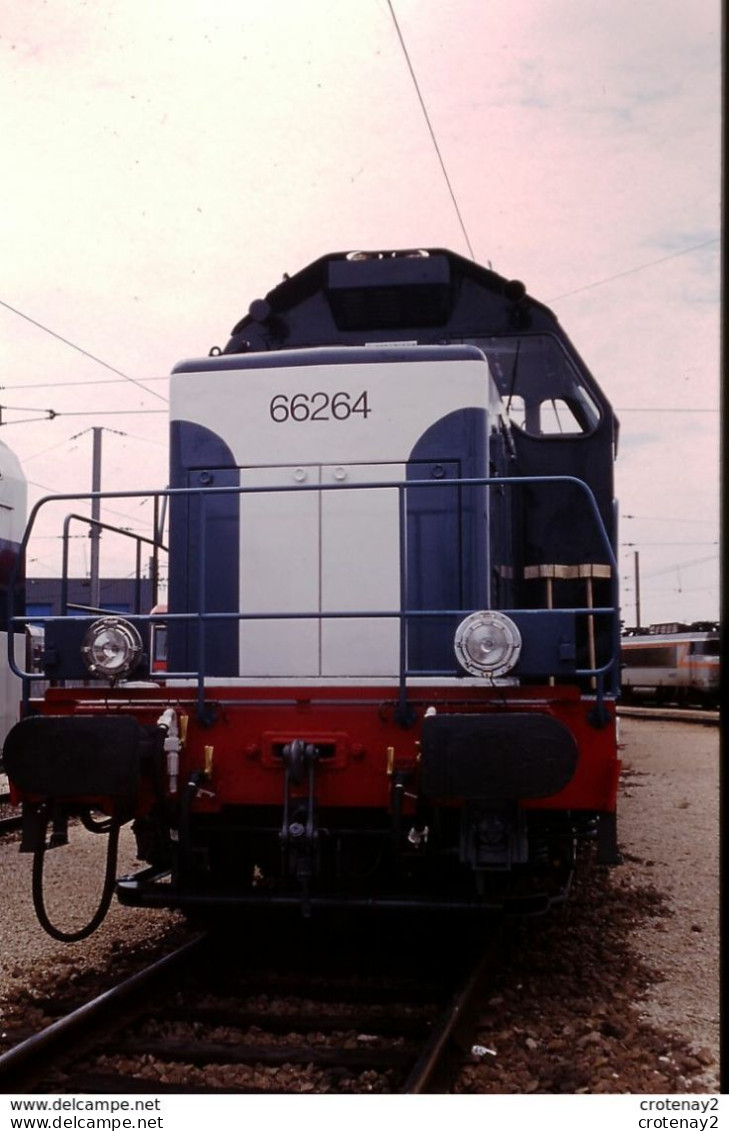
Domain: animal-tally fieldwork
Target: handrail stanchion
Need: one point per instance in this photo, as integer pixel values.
(201, 635)
(64, 567)
(155, 552)
(138, 579)
(402, 707)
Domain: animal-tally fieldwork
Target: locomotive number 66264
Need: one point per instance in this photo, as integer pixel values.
(302, 407)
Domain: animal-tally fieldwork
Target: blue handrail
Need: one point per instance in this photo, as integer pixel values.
(202, 618)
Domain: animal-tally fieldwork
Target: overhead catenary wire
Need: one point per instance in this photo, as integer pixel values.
(107, 509)
(116, 432)
(81, 350)
(144, 439)
(681, 565)
(634, 270)
(429, 124)
(76, 384)
(52, 448)
(52, 414)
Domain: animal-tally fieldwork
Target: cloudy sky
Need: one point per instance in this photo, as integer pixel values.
(164, 164)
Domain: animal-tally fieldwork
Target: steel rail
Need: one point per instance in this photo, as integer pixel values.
(671, 714)
(32, 1058)
(443, 1054)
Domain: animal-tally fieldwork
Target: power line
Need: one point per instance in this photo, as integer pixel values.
(52, 414)
(83, 498)
(118, 412)
(116, 432)
(75, 384)
(681, 565)
(634, 270)
(52, 448)
(144, 439)
(430, 128)
(70, 440)
(80, 349)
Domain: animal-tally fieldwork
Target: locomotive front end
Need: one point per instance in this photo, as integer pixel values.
(392, 620)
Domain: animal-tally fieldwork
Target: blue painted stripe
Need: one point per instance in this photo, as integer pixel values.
(446, 534)
(204, 550)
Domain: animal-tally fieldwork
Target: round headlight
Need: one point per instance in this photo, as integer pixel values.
(487, 643)
(111, 648)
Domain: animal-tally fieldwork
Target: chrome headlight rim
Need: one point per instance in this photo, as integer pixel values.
(487, 643)
(111, 648)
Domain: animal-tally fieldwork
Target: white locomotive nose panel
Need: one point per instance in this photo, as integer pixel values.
(305, 551)
(308, 432)
(360, 571)
(279, 534)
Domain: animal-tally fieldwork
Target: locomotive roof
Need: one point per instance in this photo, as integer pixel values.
(654, 633)
(352, 296)
(424, 296)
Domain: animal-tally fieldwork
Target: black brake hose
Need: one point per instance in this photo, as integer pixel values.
(92, 825)
(106, 894)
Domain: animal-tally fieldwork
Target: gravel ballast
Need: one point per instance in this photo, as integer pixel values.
(618, 991)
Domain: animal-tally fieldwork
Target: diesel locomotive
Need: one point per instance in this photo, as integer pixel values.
(392, 625)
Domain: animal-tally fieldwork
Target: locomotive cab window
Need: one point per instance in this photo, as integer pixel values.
(543, 393)
(553, 417)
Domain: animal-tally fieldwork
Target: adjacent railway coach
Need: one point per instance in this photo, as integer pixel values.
(671, 662)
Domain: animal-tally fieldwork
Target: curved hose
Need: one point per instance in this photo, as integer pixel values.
(106, 894)
(91, 824)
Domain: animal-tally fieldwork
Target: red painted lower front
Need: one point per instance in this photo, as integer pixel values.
(357, 730)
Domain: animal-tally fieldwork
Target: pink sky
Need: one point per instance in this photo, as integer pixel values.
(165, 164)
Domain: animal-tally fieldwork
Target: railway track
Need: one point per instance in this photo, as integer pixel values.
(193, 1023)
(703, 715)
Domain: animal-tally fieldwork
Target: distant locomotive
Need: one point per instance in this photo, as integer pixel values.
(392, 625)
(671, 663)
